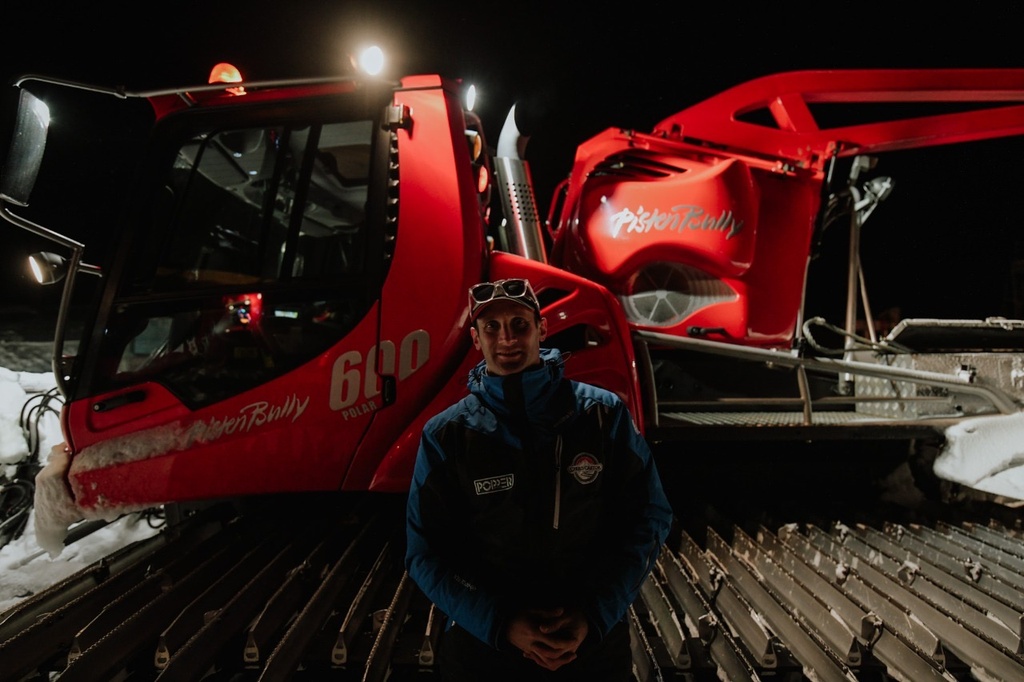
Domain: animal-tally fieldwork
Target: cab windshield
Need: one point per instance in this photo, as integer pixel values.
(254, 261)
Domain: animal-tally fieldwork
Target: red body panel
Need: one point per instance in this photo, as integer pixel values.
(638, 200)
(709, 212)
(297, 432)
(440, 254)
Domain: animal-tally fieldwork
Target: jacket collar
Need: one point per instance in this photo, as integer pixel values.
(532, 393)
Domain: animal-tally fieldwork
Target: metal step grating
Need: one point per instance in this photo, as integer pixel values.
(850, 603)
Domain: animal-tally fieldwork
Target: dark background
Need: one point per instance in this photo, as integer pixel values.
(944, 244)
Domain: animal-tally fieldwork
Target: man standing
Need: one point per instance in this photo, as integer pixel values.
(535, 511)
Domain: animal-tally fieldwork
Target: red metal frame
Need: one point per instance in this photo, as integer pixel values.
(799, 134)
(755, 155)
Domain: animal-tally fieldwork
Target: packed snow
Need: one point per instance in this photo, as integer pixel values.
(986, 453)
(26, 564)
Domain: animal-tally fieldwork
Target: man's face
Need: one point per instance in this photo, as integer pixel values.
(509, 337)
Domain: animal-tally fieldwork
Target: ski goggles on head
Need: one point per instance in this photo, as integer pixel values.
(517, 290)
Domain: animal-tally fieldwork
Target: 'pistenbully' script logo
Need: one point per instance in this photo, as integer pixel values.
(677, 219)
(249, 417)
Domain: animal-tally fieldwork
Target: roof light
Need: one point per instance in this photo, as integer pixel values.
(470, 97)
(371, 60)
(227, 73)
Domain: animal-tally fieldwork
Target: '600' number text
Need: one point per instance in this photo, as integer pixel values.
(351, 381)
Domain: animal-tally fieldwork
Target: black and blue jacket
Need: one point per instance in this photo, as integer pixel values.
(533, 490)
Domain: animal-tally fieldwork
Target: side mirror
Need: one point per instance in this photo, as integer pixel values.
(26, 152)
(47, 267)
(50, 268)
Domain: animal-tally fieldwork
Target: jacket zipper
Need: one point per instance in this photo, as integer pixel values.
(558, 481)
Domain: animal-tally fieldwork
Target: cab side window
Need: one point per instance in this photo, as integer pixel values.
(255, 261)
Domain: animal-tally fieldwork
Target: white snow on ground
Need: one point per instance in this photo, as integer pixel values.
(27, 569)
(25, 566)
(13, 445)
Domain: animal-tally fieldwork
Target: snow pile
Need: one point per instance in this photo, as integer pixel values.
(985, 453)
(27, 569)
(24, 417)
(13, 446)
(54, 509)
(38, 558)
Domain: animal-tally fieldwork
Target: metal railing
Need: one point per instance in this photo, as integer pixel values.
(996, 398)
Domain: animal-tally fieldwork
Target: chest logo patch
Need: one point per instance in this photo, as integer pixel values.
(494, 484)
(585, 468)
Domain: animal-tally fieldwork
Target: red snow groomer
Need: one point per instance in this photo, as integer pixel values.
(284, 303)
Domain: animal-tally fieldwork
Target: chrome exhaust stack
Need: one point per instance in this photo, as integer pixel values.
(520, 230)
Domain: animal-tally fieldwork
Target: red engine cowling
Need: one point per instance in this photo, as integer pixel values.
(675, 232)
(704, 227)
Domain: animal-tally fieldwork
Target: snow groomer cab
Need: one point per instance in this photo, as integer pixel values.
(284, 299)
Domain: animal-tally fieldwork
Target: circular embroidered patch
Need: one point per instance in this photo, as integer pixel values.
(585, 468)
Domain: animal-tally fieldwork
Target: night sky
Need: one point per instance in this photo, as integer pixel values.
(941, 244)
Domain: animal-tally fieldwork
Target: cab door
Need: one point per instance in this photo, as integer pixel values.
(257, 264)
